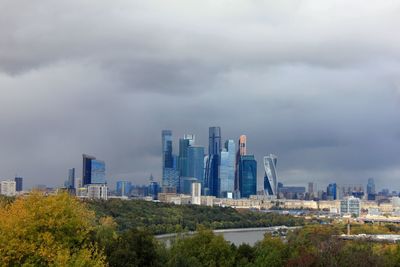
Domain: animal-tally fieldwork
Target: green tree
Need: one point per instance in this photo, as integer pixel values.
(135, 248)
(202, 249)
(271, 251)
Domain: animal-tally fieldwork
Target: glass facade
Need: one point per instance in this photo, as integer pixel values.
(184, 145)
(98, 174)
(227, 169)
(87, 169)
(123, 188)
(18, 184)
(247, 175)
(212, 166)
(270, 176)
(196, 163)
(331, 191)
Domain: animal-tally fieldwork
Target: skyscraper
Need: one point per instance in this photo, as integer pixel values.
(242, 145)
(242, 151)
(270, 177)
(196, 163)
(170, 172)
(123, 188)
(371, 186)
(247, 175)
(71, 179)
(93, 171)
(331, 191)
(18, 184)
(87, 169)
(184, 145)
(371, 189)
(213, 161)
(227, 169)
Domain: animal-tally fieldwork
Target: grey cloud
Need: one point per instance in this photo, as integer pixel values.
(315, 83)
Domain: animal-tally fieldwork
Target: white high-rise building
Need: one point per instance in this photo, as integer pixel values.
(97, 191)
(8, 188)
(196, 193)
(270, 177)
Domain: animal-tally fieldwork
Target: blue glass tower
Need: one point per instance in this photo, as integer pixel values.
(227, 169)
(213, 162)
(196, 163)
(331, 191)
(170, 172)
(93, 171)
(247, 175)
(123, 188)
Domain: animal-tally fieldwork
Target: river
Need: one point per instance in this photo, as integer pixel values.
(237, 236)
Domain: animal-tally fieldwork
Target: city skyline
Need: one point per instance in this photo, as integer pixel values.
(316, 84)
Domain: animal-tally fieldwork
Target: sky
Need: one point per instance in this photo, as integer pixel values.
(316, 83)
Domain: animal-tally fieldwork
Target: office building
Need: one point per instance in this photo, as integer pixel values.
(97, 191)
(8, 188)
(170, 171)
(292, 192)
(154, 189)
(70, 182)
(93, 171)
(196, 162)
(18, 184)
(242, 151)
(213, 162)
(270, 176)
(331, 191)
(123, 188)
(227, 169)
(247, 176)
(183, 166)
(87, 169)
(186, 185)
(371, 193)
(196, 193)
(350, 206)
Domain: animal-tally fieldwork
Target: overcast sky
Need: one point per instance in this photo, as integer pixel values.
(315, 82)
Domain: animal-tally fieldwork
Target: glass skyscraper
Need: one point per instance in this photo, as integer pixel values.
(93, 171)
(170, 172)
(331, 191)
(123, 188)
(247, 175)
(196, 163)
(227, 169)
(270, 177)
(184, 145)
(213, 162)
(18, 184)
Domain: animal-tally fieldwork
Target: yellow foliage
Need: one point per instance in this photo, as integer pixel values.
(47, 230)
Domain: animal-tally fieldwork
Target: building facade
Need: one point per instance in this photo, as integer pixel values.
(19, 184)
(8, 188)
(227, 169)
(247, 176)
(123, 188)
(350, 206)
(270, 175)
(213, 162)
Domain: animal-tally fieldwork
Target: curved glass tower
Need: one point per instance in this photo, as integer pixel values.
(270, 178)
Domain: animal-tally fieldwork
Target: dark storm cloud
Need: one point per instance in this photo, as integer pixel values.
(314, 82)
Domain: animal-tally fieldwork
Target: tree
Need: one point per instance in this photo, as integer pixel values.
(42, 230)
(203, 249)
(135, 248)
(271, 251)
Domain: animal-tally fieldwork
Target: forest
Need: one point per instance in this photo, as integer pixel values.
(161, 218)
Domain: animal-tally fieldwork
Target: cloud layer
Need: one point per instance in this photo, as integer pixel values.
(317, 83)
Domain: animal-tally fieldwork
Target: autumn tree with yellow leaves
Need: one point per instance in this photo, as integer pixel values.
(55, 230)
